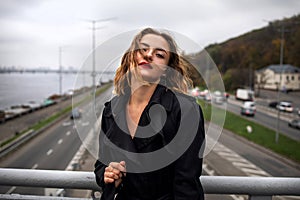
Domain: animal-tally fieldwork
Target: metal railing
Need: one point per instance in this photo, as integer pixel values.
(257, 188)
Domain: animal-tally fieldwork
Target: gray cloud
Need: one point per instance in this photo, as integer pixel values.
(43, 25)
(13, 8)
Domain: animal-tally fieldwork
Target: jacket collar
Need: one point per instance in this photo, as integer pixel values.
(161, 95)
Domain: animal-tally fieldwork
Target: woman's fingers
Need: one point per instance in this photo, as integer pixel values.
(108, 180)
(111, 175)
(114, 171)
(118, 166)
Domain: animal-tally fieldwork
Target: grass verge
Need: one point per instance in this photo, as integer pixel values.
(260, 134)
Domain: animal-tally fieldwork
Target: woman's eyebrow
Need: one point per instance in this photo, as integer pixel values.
(158, 48)
(145, 44)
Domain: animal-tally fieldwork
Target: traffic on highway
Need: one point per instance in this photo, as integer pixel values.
(55, 148)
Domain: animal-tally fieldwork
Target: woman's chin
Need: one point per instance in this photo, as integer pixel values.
(150, 80)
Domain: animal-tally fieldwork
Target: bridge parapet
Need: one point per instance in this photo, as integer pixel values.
(256, 188)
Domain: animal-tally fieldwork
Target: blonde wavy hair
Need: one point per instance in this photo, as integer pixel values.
(176, 79)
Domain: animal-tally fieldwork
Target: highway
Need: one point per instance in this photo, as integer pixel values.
(265, 116)
(231, 156)
(52, 149)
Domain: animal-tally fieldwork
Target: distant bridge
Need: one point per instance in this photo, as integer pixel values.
(63, 71)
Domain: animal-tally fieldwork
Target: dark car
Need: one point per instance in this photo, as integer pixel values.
(295, 123)
(273, 104)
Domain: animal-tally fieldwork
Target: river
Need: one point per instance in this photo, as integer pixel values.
(19, 88)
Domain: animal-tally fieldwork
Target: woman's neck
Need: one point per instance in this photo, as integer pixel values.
(141, 94)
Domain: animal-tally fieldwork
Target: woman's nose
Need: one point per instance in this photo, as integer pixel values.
(149, 54)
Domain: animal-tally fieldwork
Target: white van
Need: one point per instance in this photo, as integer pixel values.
(244, 94)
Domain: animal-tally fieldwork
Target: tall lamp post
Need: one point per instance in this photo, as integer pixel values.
(60, 51)
(60, 69)
(94, 28)
(282, 30)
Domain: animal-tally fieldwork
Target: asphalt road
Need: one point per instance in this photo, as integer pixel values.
(54, 148)
(232, 155)
(267, 117)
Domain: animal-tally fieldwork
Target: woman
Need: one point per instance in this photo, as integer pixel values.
(151, 132)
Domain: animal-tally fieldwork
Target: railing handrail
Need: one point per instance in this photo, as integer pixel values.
(264, 186)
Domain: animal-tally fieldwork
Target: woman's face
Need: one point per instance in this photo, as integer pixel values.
(153, 57)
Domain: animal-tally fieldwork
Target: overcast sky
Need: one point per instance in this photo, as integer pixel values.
(33, 30)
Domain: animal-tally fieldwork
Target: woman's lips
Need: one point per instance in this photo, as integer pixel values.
(145, 65)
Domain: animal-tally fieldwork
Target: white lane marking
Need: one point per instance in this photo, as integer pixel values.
(242, 164)
(60, 141)
(254, 172)
(49, 152)
(76, 160)
(235, 197)
(85, 123)
(238, 161)
(67, 123)
(11, 190)
(207, 170)
(35, 166)
(68, 133)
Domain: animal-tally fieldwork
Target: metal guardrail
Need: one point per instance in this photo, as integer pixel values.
(257, 188)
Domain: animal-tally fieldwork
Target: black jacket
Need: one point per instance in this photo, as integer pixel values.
(164, 164)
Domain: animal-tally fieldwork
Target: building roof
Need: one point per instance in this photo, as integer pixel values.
(281, 68)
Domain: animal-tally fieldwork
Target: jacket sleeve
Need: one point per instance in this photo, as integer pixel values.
(188, 168)
(108, 190)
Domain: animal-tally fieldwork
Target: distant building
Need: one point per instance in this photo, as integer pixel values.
(274, 77)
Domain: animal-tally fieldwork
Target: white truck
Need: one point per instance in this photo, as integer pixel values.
(244, 95)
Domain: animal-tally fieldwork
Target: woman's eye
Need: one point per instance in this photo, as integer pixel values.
(160, 56)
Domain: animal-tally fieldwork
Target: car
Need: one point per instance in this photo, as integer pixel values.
(226, 95)
(195, 92)
(285, 106)
(248, 108)
(217, 97)
(208, 97)
(295, 123)
(75, 114)
(273, 104)
(2, 116)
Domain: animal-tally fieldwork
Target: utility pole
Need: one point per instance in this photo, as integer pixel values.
(280, 81)
(94, 28)
(282, 70)
(60, 69)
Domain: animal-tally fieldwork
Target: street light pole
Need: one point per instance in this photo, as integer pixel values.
(94, 63)
(280, 81)
(94, 46)
(94, 54)
(60, 70)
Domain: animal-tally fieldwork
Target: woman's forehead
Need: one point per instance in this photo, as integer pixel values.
(155, 41)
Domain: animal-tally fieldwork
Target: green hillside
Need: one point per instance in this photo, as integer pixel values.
(238, 57)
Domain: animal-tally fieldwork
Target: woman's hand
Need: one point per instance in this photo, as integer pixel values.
(114, 173)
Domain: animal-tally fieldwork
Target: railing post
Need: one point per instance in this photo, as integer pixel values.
(260, 197)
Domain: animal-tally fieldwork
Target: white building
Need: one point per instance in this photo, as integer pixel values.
(285, 77)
